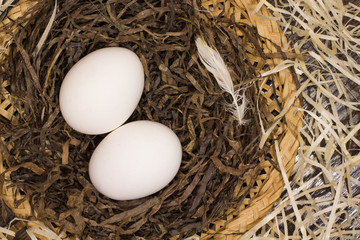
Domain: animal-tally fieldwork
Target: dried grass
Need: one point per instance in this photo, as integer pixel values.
(321, 197)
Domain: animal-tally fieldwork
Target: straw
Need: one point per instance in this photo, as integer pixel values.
(321, 201)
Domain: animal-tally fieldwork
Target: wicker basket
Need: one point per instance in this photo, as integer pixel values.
(281, 86)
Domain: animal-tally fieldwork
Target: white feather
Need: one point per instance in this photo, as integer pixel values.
(214, 63)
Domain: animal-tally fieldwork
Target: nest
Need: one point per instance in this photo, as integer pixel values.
(49, 161)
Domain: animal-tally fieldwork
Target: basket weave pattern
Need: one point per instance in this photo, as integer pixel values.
(269, 183)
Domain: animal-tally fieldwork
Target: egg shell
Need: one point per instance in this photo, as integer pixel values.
(136, 160)
(101, 91)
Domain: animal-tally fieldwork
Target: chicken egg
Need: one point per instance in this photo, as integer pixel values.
(102, 90)
(135, 160)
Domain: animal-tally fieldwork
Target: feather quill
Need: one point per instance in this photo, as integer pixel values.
(214, 63)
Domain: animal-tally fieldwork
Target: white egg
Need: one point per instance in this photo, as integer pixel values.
(102, 90)
(136, 160)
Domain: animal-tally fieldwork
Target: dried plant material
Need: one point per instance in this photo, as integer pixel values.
(5, 5)
(16, 5)
(322, 199)
(289, 191)
(6, 232)
(214, 63)
(32, 230)
(47, 30)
